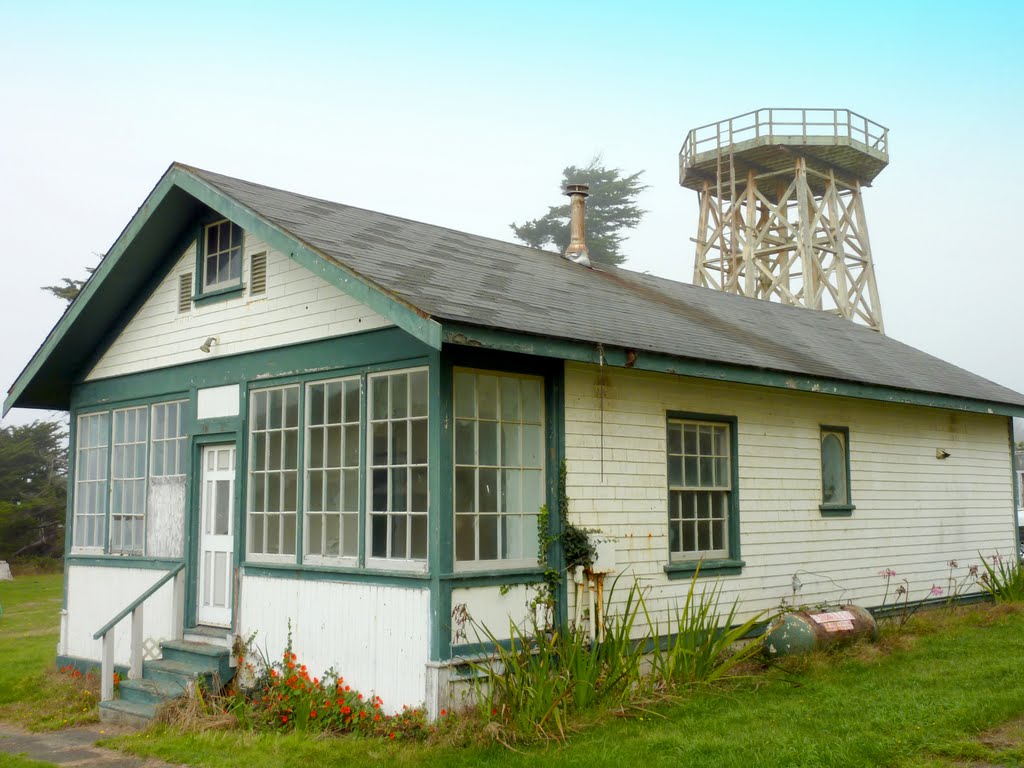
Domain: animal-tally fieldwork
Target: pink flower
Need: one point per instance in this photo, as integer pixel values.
(888, 573)
(936, 591)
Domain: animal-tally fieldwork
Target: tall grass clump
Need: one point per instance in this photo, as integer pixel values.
(1003, 578)
(702, 645)
(536, 681)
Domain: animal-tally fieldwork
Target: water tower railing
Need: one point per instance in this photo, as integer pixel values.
(784, 123)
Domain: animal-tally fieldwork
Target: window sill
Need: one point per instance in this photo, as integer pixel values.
(221, 294)
(497, 576)
(836, 510)
(686, 570)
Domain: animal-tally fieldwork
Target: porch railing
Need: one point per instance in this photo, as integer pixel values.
(106, 632)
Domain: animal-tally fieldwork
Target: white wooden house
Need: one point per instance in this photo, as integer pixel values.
(346, 422)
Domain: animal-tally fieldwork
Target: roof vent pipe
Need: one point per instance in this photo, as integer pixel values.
(577, 250)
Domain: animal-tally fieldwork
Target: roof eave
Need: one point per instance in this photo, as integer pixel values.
(597, 354)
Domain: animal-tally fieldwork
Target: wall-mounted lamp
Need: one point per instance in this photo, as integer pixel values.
(941, 454)
(208, 344)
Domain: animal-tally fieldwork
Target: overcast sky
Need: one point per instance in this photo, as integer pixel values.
(463, 115)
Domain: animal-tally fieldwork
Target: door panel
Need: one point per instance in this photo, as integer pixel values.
(216, 536)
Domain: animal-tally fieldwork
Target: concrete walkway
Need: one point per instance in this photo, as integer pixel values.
(72, 747)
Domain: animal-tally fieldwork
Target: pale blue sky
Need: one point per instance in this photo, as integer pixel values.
(463, 114)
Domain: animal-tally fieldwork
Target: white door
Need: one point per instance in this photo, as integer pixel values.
(216, 536)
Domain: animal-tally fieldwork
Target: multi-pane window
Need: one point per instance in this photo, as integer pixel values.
(397, 482)
(91, 459)
(128, 481)
(273, 470)
(332, 468)
(222, 255)
(699, 489)
(835, 467)
(499, 461)
(168, 442)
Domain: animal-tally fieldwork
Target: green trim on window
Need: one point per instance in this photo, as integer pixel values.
(846, 507)
(440, 525)
(307, 572)
(123, 561)
(463, 579)
(686, 570)
(734, 560)
(221, 294)
(586, 352)
(347, 353)
(836, 510)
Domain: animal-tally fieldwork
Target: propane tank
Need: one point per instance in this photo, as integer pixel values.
(805, 631)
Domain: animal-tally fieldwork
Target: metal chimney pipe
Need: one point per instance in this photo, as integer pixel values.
(577, 250)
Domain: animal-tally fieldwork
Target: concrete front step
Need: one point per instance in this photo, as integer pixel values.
(127, 712)
(168, 678)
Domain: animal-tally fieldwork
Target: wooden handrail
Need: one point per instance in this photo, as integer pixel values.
(105, 633)
(98, 634)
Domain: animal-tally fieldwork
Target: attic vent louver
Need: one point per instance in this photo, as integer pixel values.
(185, 292)
(577, 250)
(258, 274)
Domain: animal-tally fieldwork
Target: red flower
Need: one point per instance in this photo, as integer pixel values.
(444, 712)
(312, 715)
(376, 718)
(391, 735)
(284, 719)
(494, 712)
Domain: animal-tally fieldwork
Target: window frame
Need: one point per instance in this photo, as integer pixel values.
(341, 560)
(247, 554)
(203, 294)
(679, 566)
(104, 497)
(832, 509)
(470, 566)
(146, 444)
(371, 562)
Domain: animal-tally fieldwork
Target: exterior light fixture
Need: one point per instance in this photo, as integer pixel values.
(208, 344)
(941, 454)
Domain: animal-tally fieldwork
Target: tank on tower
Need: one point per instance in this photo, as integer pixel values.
(781, 213)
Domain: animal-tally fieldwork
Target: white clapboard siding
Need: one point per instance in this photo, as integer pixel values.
(488, 611)
(297, 306)
(376, 637)
(914, 513)
(96, 594)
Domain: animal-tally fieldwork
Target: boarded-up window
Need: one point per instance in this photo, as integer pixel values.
(165, 526)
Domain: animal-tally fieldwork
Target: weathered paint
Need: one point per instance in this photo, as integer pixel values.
(913, 513)
(298, 306)
(488, 610)
(376, 637)
(165, 517)
(96, 594)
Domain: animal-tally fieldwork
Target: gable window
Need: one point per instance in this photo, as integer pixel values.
(499, 466)
(835, 471)
(91, 459)
(397, 481)
(332, 469)
(273, 471)
(703, 500)
(222, 255)
(128, 481)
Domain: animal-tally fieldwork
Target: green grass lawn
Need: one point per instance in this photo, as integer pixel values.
(949, 694)
(922, 705)
(29, 630)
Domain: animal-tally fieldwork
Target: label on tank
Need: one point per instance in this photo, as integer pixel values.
(837, 621)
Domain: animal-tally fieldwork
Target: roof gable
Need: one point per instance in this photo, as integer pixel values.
(124, 278)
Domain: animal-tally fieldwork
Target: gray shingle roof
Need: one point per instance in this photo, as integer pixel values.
(466, 278)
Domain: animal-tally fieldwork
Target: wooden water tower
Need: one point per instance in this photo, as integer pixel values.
(781, 213)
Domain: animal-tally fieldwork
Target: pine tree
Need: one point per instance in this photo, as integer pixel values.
(611, 208)
(33, 490)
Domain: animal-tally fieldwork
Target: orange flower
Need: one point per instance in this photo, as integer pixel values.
(391, 735)
(284, 719)
(377, 718)
(444, 712)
